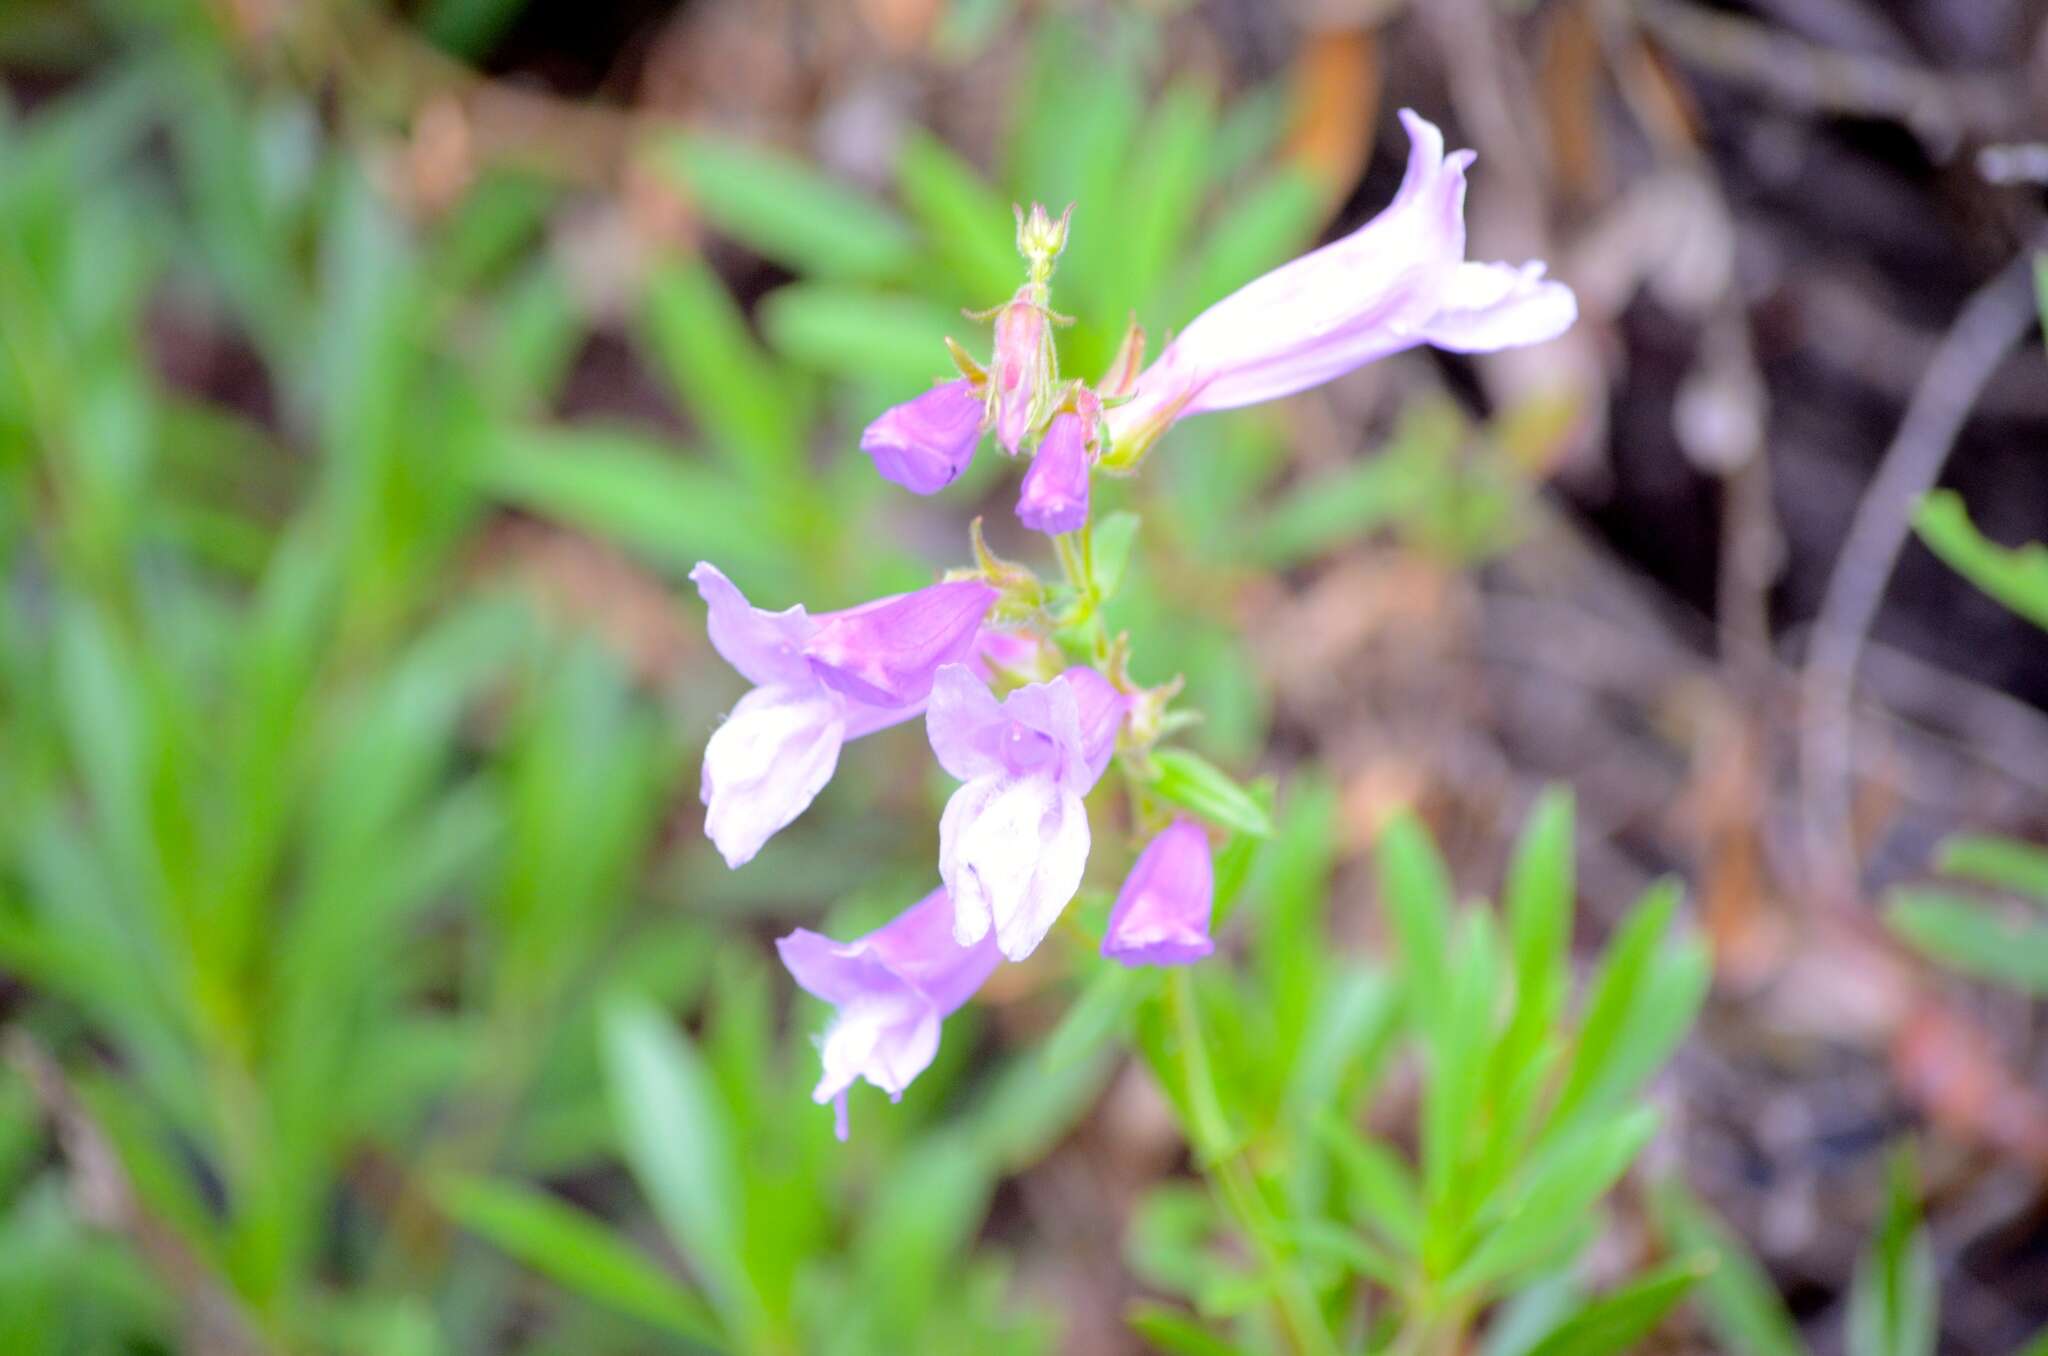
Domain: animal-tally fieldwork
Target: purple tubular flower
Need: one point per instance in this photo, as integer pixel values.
(1398, 281)
(1013, 841)
(1055, 493)
(892, 989)
(818, 682)
(1161, 916)
(923, 444)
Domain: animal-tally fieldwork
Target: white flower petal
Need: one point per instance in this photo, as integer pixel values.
(767, 763)
(1012, 851)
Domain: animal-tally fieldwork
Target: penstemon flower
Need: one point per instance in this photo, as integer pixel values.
(1161, 916)
(1398, 281)
(1014, 839)
(819, 681)
(1026, 696)
(892, 989)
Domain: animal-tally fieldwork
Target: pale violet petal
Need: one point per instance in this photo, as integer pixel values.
(766, 764)
(1495, 306)
(766, 647)
(962, 720)
(1012, 851)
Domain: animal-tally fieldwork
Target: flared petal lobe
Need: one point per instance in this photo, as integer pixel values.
(892, 989)
(1161, 916)
(1013, 842)
(924, 444)
(766, 764)
(1054, 497)
(765, 647)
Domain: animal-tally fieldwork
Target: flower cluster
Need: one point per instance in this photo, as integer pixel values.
(1023, 703)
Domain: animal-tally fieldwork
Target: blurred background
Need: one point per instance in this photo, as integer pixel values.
(371, 375)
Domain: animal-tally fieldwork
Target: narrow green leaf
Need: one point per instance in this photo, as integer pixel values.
(1380, 1183)
(847, 332)
(1737, 1299)
(1975, 937)
(1538, 899)
(2001, 862)
(967, 223)
(1619, 1321)
(674, 1130)
(1194, 783)
(741, 396)
(1110, 543)
(1415, 891)
(1171, 1330)
(1348, 1250)
(577, 1251)
(1623, 973)
(2016, 577)
(788, 211)
(1894, 1302)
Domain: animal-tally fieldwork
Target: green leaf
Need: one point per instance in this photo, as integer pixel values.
(847, 332)
(1737, 1299)
(675, 1133)
(2018, 578)
(1194, 783)
(1622, 984)
(1348, 1250)
(630, 491)
(2001, 862)
(1102, 1010)
(1538, 900)
(1173, 1331)
(967, 223)
(1380, 1184)
(1974, 937)
(1619, 1321)
(740, 395)
(1555, 1200)
(1415, 891)
(1894, 1302)
(788, 212)
(577, 1251)
(1110, 543)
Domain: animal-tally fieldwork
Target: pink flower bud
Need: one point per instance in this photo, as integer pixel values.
(923, 444)
(1161, 916)
(1020, 370)
(1055, 493)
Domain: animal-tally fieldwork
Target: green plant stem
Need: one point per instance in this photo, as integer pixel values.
(1223, 1161)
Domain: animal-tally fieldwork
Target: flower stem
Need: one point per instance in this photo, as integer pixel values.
(1222, 1159)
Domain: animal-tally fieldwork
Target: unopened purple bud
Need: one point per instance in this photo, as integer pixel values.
(1017, 372)
(923, 444)
(1161, 916)
(886, 652)
(1055, 494)
(892, 989)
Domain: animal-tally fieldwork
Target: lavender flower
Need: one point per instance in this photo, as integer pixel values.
(1398, 281)
(1161, 916)
(819, 681)
(1055, 493)
(892, 989)
(1013, 841)
(923, 444)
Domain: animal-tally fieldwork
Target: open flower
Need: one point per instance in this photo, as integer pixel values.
(924, 444)
(1398, 281)
(819, 681)
(1161, 916)
(1013, 841)
(892, 989)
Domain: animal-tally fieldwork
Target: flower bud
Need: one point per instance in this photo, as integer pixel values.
(1161, 916)
(1055, 493)
(1020, 374)
(1040, 239)
(924, 443)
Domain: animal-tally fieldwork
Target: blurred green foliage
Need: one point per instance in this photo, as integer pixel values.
(361, 996)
